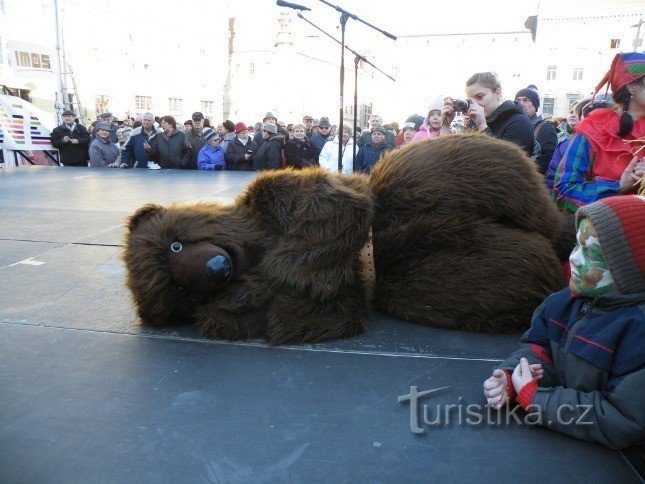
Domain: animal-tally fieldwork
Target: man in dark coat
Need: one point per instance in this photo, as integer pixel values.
(323, 135)
(308, 121)
(269, 155)
(196, 139)
(544, 132)
(72, 141)
(370, 153)
(169, 149)
(271, 119)
(241, 150)
(134, 154)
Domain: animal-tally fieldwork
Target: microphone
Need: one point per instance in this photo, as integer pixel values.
(295, 6)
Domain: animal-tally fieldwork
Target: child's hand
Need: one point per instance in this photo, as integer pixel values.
(495, 390)
(524, 373)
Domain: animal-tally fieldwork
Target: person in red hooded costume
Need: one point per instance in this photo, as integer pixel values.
(604, 158)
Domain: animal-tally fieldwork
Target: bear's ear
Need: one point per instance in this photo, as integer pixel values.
(144, 213)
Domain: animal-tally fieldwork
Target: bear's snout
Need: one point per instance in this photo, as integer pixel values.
(200, 268)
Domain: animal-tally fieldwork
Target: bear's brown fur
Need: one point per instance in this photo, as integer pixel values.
(464, 234)
(464, 237)
(294, 239)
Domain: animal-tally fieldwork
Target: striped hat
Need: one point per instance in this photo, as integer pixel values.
(625, 69)
(209, 134)
(620, 224)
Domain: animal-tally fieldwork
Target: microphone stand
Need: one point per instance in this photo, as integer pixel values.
(344, 16)
(357, 59)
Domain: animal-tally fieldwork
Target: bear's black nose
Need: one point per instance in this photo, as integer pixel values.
(219, 269)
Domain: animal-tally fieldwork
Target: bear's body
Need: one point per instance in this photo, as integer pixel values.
(463, 232)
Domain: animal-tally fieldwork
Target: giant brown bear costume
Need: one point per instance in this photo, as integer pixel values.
(465, 237)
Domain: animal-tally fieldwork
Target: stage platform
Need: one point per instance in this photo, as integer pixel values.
(87, 395)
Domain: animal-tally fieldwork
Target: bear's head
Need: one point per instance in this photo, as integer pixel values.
(179, 257)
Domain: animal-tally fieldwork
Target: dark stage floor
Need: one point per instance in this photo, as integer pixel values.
(87, 395)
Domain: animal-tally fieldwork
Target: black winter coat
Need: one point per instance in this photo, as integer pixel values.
(301, 154)
(508, 122)
(269, 155)
(174, 152)
(72, 154)
(235, 152)
(259, 140)
(548, 139)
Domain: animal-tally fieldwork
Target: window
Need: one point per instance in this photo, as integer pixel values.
(175, 104)
(550, 73)
(548, 105)
(252, 68)
(614, 44)
(572, 99)
(207, 106)
(577, 74)
(101, 103)
(143, 103)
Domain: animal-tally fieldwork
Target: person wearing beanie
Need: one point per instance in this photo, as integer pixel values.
(431, 127)
(269, 155)
(211, 156)
(229, 134)
(601, 159)
(411, 126)
(546, 137)
(580, 369)
(368, 155)
(269, 118)
(240, 151)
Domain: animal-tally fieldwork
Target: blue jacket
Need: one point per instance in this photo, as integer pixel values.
(134, 154)
(210, 158)
(558, 153)
(319, 141)
(594, 366)
(368, 155)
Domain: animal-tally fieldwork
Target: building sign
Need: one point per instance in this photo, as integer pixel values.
(33, 60)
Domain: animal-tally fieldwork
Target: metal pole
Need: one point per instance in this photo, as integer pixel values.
(60, 64)
(356, 61)
(343, 22)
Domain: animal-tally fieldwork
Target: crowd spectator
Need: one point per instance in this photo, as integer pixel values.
(240, 151)
(72, 141)
(211, 156)
(134, 154)
(170, 148)
(107, 118)
(269, 155)
(431, 127)
(366, 137)
(123, 135)
(328, 158)
(412, 124)
(323, 133)
(229, 134)
(270, 119)
(299, 152)
(489, 114)
(188, 126)
(369, 154)
(103, 152)
(543, 131)
(599, 161)
(308, 121)
(195, 138)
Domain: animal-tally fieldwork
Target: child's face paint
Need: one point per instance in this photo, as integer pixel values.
(589, 273)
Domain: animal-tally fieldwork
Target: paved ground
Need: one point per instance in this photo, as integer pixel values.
(87, 395)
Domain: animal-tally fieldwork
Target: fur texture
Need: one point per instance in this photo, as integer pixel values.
(476, 252)
(294, 240)
(464, 236)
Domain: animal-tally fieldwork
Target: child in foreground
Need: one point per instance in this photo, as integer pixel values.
(581, 365)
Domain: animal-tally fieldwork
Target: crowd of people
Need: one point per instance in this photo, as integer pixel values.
(580, 161)
(593, 164)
